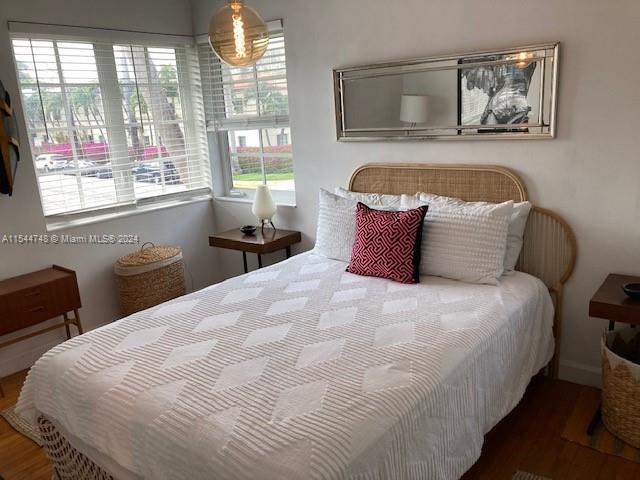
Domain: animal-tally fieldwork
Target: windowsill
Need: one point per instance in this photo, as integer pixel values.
(96, 217)
(249, 201)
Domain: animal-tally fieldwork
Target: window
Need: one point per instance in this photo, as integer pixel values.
(111, 124)
(247, 111)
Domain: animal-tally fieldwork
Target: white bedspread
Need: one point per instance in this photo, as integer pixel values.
(299, 371)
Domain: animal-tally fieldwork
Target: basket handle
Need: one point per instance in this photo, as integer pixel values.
(147, 243)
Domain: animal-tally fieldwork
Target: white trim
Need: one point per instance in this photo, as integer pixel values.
(68, 32)
(28, 356)
(95, 216)
(249, 201)
(580, 373)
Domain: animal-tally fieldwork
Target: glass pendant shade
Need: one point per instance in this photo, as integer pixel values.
(238, 35)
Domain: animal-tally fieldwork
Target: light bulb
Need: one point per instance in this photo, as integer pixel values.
(238, 35)
(523, 57)
(238, 31)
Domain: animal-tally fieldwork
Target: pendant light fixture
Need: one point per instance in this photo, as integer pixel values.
(238, 35)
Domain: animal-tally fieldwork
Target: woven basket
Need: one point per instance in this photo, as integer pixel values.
(620, 392)
(149, 277)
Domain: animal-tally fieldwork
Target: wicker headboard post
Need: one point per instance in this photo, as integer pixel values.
(549, 250)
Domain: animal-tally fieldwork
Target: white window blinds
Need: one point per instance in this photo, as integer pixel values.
(248, 108)
(111, 123)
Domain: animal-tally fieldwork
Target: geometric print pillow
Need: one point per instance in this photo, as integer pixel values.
(387, 244)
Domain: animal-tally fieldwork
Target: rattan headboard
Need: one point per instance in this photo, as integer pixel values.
(485, 183)
(549, 250)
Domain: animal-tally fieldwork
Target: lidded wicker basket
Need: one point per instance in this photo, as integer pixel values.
(149, 277)
(620, 391)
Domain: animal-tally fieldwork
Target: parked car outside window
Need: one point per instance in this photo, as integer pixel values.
(51, 162)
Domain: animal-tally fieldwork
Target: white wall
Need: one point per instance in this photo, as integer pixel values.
(187, 226)
(590, 174)
(373, 102)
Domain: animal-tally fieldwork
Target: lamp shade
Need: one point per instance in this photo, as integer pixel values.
(238, 35)
(414, 108)
(263, 205)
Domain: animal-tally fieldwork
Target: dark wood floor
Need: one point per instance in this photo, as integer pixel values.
(528, 439)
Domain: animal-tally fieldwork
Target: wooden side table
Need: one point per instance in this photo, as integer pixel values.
(611, 303)
(36, 297)
(261, 242)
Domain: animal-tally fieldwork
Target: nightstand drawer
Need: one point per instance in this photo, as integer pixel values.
(36, 304)
(28, 307)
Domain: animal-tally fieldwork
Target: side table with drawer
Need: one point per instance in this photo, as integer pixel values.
(36, 297)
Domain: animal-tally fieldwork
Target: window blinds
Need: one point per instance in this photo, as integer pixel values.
(246, 97)
(248, 110)
(111, 123)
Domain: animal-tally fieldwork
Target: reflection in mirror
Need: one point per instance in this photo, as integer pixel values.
(506, 94)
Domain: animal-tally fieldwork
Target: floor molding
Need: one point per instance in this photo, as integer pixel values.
(25, 360)
(581, 373)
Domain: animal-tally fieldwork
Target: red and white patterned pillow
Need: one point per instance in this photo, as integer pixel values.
(387, 244)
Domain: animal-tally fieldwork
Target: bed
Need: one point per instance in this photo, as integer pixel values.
(302, 370)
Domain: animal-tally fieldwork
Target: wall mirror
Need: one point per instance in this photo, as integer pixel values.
(502, 94)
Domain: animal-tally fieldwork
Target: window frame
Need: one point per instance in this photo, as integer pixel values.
(109, 87)
(218, 131)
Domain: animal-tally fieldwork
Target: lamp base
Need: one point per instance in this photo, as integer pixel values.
(267, 222)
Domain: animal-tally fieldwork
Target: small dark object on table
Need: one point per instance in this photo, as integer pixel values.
(248, 229)
(632, 289)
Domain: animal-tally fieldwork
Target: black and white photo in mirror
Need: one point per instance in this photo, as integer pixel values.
(495, 94)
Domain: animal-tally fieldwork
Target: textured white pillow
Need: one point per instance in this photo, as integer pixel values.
(337, 221)
(371, 199)
(463, 242)
(515, 237)
(517, 223)
(336, 226)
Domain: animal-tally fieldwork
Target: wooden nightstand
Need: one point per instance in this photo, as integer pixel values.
(36, 297)
(260, 242)
(611, 303)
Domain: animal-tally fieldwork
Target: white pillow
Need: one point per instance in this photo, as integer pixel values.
(336, 226)
(337, 221)
(517, 223)
(371, 199)
(463, 242)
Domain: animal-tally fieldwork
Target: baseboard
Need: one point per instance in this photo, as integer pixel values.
(26, 360)
(581, 373)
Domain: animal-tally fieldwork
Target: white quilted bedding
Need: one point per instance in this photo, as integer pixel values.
(299, 371)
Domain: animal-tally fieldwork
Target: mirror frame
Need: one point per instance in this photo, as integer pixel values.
(423, 133)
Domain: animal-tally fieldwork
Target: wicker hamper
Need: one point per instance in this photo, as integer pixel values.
(149, 277)
(621, 391)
